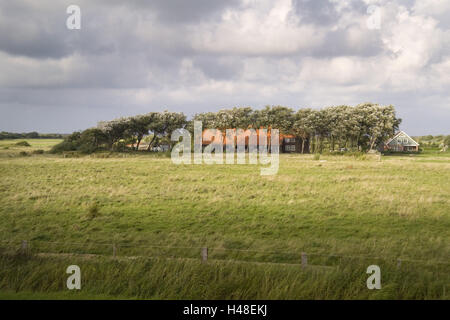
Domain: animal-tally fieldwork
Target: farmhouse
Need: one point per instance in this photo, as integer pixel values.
(401, 142)
(288, 143)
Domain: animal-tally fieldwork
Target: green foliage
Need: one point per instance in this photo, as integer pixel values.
(447, 140)
(437, 141)
(70, 143)
(23, 144)
(361, 127)
(277, 117)
(31, 135)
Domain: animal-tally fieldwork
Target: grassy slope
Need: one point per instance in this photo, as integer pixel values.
(390, 209)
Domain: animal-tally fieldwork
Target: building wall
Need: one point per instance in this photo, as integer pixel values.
(289, 146)
(402, 143)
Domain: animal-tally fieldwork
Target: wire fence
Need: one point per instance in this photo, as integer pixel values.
(203, 253)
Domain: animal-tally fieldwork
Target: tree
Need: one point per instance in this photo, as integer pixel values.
(277, 117)
(302, 126)
(318, 121)
(164, 123)
(379, 123)
(115, 130)
(139, 126)
(91, 140)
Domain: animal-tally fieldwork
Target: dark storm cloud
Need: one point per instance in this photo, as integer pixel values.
(31, 31)
(39, 30)
(219, 68)
(183, 11)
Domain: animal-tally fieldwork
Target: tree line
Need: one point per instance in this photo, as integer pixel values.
(359, 127)
(29, 135)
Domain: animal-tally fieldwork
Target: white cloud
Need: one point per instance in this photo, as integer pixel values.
(252, 53)
(261, 28)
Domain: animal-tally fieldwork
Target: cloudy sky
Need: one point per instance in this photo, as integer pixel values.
(131, 57)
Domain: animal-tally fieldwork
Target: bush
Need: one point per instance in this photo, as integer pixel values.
(23, 144)
(23, 154)
(39, 151)
(88, 141)
(64, 146)
(87, 149)
(317, 156)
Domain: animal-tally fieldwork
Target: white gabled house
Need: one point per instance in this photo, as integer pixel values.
(401, 142)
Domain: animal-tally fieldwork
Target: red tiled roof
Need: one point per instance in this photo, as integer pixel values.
(207, 136)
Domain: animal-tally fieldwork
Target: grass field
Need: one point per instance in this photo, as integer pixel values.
(345, 212)
(10, 148)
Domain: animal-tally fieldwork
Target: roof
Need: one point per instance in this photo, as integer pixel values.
(404, 133)
(206, 136)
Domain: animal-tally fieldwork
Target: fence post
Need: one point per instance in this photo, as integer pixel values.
(204, 254)
(304, 260)
(114, 250)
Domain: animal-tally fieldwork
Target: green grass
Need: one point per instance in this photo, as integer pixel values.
(9, 147)
(102, 278)
(367, 211)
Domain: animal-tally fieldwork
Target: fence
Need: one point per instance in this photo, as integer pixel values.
(204, 254)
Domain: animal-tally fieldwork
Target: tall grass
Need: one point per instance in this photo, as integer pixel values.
(186, 279)
(394, 208)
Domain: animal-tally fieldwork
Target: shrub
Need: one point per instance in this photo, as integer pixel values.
(63, 146)
(23, 144)
(23, 154)
(39, 151)
(88, 141)
(317, 156)
(87, 149)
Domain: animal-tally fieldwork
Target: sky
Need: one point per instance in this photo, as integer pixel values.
(133, 57)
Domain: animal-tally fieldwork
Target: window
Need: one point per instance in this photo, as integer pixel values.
(289, 140)
(289, 148)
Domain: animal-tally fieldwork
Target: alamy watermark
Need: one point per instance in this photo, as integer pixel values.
(74, 280)
(241, 147)
(73, 21)
(374, 281)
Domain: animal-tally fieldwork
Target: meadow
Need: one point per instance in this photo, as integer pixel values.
(345, 212)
